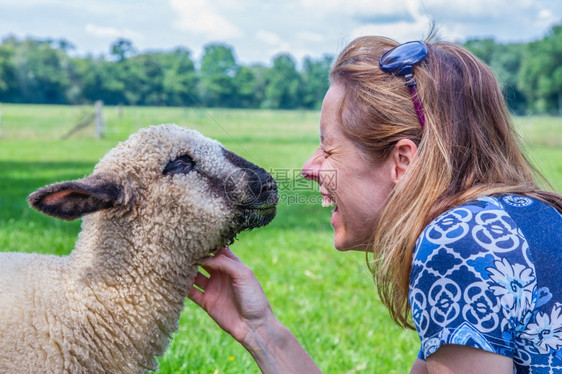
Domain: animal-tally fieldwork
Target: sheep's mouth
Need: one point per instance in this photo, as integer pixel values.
(257, 216)
(252, 194)
(267, 210)
(259, 211)
(251, 218)
(253, 215)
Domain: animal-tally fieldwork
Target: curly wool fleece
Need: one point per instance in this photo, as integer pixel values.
(155, 207)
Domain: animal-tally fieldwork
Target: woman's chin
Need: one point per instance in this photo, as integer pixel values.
(344, 240)
(338, 247)
(343, 245)
(338, 243)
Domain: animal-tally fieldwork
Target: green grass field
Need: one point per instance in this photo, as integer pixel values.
(325, 297)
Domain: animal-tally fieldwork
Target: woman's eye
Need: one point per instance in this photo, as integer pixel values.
(181, 165)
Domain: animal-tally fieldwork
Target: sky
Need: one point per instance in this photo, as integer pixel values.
(258, 30)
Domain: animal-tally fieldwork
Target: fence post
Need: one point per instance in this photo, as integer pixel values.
(100, 130)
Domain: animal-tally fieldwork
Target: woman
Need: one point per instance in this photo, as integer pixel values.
(432, 182)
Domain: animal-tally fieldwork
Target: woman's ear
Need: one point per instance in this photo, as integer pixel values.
(403, 155)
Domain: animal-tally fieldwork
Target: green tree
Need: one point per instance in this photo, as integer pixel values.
(85, 79)
(541, 72)
(484, 49)
(315, 81)
(41, 71)
(282, 84)
(7, 73)
(506, 64)
(249, 86)
(107, 83)
(259, 72)
(143, 77)
(119, 80)
(121, 49)
(180, 77)
(218, 69)
(505, 61)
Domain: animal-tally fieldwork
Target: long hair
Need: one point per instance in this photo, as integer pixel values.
(468, 148)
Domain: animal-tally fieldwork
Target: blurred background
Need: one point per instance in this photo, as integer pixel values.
(76, 77)
(256, 53)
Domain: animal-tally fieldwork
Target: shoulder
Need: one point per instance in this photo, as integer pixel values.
(474, 276)
(471, 227)
(498, 228)
(497, 223)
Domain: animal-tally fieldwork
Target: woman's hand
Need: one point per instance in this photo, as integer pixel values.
(232, 296)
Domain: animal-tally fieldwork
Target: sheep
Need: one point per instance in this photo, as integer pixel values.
(154, 208)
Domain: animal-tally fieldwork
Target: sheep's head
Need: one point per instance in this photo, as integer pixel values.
(176, 182)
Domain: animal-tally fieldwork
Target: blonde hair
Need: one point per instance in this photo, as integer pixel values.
(467, 149)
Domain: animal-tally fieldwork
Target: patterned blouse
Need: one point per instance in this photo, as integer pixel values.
(488, 275)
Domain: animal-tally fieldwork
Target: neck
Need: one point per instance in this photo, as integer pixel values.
(140, 286)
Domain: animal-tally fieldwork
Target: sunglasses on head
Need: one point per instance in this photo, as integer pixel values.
(402, 59)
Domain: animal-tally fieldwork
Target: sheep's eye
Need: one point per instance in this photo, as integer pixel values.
(181, 165)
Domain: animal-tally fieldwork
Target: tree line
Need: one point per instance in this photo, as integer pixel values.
(44, 71)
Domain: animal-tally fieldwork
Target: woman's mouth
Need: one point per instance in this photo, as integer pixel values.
(328, 201)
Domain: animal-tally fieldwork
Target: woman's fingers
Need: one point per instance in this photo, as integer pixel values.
(196, 295)
(201, 281)
(228, 253)
(197, 289)
(224, 261)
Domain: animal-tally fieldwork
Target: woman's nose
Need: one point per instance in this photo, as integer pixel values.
(310, 169)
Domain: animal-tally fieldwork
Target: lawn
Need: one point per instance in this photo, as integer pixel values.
(325, 297)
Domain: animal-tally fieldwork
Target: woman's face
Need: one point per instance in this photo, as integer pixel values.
(349, 180)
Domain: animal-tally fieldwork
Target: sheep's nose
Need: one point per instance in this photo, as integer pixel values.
(269, 185)
(268, 193)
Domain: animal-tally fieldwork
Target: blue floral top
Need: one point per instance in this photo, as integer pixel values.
(488, 275)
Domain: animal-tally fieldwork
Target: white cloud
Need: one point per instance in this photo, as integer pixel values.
(348, 7)
(400, 31)
(111, 32)
(268, 37)
(274, 44)
(201, 17)
(383, 11)
(312, 37)
(300, 27)
(546, 18)
(520, 20)
(516, 12)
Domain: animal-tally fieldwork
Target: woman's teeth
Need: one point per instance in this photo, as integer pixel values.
(327, 201)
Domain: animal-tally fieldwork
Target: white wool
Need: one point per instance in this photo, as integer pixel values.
(113, 303)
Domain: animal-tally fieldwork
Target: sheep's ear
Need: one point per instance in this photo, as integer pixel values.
(74, 199)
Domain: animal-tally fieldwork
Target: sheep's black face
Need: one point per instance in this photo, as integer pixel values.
(187, 189)
(247, 188)
(255, 202)
(247, 191)
(251, 190)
